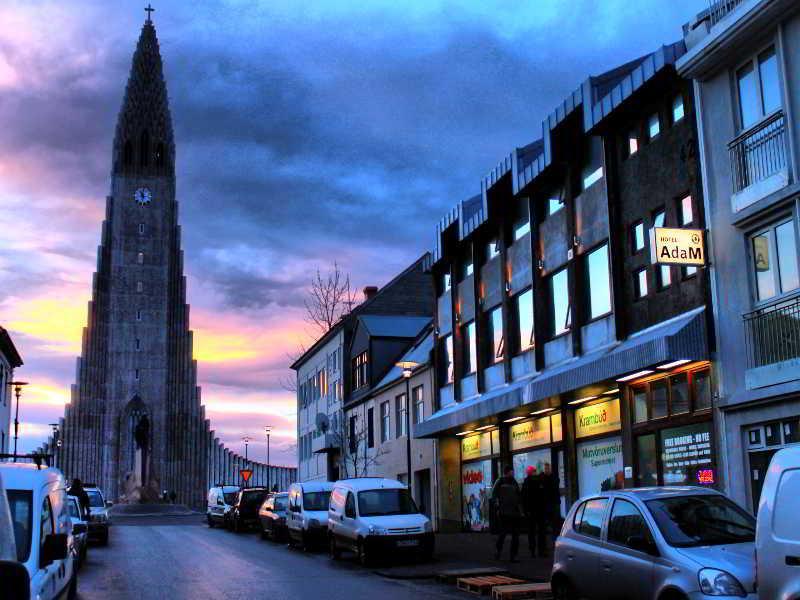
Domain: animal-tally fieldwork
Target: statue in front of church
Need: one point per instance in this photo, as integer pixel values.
(141, 435)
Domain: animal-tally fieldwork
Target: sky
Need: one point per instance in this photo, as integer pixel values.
(305, 132)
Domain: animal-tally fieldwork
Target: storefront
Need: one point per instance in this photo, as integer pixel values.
(598, 447)
(479, 469)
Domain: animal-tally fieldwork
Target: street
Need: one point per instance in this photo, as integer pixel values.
(180, 557)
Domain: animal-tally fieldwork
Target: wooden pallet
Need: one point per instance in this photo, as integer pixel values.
(451, 575)
(524, 590)
(484, 585)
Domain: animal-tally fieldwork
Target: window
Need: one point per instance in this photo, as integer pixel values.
(401, 412)
(759, 89)
(626, 522)
(467, 267)
(350, 506)
(637, 237)
(664, 271)
(659, 393)
(492, 249)
(20, 504)
(138, 345)
(702, 520)
(139, 315)
(593, 166)
(599, 282)
(524, 306)
(640, 404)
(653, 126)
(360, 365)
(591, 517)
(445, 282)
(555, 201)
(470, 348)
(139, 286)
(141, 228)
(385, 421)
(496, 346)
(447, 359)
(687, 214)
(45, 525)
(418, 399)
(640, 283)
(560, 311)
(522, 225)
(677, 109)
(679, 391)
(774, 257)
(352, 436)
(701, 382)
(646, 460)
(140, 258)
(633, 141)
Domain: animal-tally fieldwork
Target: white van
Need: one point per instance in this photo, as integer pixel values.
(307, 517)
(376, 517)
(778, 528)
(37, 504)
(221, 499)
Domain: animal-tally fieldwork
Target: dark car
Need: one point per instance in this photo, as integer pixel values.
(245, 512)
(272, 515)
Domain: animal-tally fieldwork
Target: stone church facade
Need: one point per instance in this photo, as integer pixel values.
(135, 425)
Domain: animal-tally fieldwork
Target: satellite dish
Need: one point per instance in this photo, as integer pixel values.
(323, 423)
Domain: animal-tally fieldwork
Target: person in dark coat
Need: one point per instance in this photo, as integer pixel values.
(533, 500)
(76, 489)
(551, 500)
(508, 502)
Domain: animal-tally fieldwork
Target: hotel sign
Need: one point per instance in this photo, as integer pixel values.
(672, 246)
(597, 418)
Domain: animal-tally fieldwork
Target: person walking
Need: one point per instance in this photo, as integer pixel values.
(533, 501)
(551, 502)
(76, 489)
(508, 502)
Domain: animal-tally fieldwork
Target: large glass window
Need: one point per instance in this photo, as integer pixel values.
(470, 348)
(447, 359)
(524, 305)
(593, 164)
(660, 394)
(591, 517)
(360, 366)
(774, 256)
(560, 310)
(496, 347)
(640, 404)
(701, 381)
(679, 391)
(684, 452)
(599, 282)
(758, 87)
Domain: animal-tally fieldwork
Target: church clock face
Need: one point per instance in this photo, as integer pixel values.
(142, 196)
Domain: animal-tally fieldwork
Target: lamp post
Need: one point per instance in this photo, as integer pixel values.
(56, 443)
(267, 431)
(408, 367)
(17, 385)
(246, 441)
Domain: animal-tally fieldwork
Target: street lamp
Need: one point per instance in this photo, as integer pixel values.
(267, 431)
(17, 385)
(246, 441)
(408, 367)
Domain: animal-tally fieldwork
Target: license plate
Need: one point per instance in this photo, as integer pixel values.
(407, 543)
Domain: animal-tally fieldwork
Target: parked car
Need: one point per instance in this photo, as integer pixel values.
(375, 518)
(308, 513)
(244, 514)
(37, 507)
(221, 499)
(778, 528)
(80, 530)
(272, 516)
(99, 517)
(655, 543)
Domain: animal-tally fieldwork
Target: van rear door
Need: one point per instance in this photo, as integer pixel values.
(778, 539)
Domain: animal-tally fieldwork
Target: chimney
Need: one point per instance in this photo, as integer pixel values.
(370, 291)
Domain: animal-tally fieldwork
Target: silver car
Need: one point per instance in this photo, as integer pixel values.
(660, 543)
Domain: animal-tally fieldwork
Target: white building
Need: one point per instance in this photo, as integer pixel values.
(9, 360)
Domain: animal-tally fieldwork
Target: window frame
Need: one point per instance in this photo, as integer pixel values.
(554, 333)
(772, 227)
(418, 401)
(494, 353)
(401, 409)
(675, 99)
(637, 287)
(636, 225)
(470, 348)
(386, 421)
(650, 136)
(661, 269)
(754, 62)
(531, 343)
(588, 282)
(370, 427)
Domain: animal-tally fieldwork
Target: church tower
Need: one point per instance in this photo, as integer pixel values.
(135, 425)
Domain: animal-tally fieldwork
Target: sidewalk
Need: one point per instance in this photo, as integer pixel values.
(472, 550)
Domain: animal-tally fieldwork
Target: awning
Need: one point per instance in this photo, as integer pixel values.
(683, 337)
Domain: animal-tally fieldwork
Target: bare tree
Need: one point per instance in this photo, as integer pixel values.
(356, 457)
(330, 298)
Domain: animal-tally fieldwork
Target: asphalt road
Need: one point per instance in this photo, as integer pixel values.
(180, 557)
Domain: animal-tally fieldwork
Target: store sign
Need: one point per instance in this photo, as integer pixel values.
(672, 246)
(597, 418)
(475, 446)
(685, 451)
(529, 433)
(706, 477)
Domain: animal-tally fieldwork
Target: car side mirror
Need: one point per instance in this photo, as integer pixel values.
(220, 502)
(109, 504)
(642, 544)
(16, 582)
(54, 548)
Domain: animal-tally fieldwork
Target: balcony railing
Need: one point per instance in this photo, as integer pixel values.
(759, 152)
(772, 335)
(717, 9)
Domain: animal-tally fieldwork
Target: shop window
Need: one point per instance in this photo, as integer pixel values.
(522, 224)
(591, 517)
(626, 522)
(476, 486)
(492, 249)
(496, 343)
(679, 390)
(637, 237)
(640, 405)
(599, 282)
(470, 349)
(701, 382)
(646, 460)
(774, 260)
(684, 452)
(447, 359)
(758, 87)
(524, 306)
(677, 109)
(593, 163)
(660, 396)
(560, 310)
(664, 271)
(640, 283)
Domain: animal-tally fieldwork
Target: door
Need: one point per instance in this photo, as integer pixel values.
(347, 531)
(627, 565)
(585, 548)
(759, 463)
(422, 491)
(294, 516)
(44, 581)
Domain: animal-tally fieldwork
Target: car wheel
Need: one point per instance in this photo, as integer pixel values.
(563, 589)
(363, 557)
(673, 595)
(210, 521)
(83, 554)
(333, 548)
(104, 538)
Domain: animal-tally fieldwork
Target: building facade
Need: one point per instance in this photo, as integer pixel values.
(560, 341)
(744, 57)
(9, 360)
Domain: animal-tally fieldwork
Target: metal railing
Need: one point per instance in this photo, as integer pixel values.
(759, 152)
(772, 335)
(717, 9)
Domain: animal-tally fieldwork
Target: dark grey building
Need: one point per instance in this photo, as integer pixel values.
(744, 57)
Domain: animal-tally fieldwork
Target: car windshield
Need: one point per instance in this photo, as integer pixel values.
(702, 520)
(21, 504)
(253, 499)
(373, 503)
(95, 499)
(281, 502)
(230, 497)
(316, 500)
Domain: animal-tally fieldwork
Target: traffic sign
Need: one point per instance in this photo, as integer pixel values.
(246, 474)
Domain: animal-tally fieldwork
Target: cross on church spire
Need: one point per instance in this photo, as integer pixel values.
(149, 9)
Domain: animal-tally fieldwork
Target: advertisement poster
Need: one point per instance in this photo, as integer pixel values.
(597, 418)
(685, 451)
(476, 487)
(537, 458)
(600, 466)
(529, 433)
